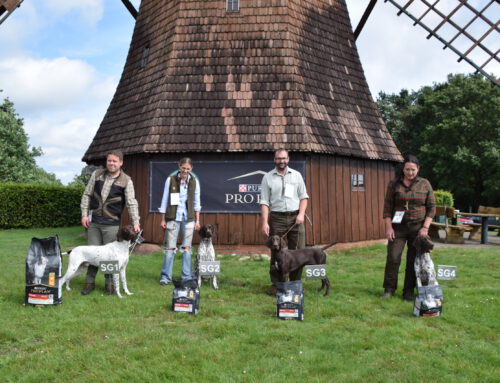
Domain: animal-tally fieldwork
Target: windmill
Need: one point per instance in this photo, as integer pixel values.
(227, 82)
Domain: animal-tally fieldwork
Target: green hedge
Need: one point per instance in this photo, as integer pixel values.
(444, 198)
(25, 206)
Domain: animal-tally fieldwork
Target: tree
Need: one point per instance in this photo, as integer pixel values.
(17, 159)
(83, 178)
(453, 129)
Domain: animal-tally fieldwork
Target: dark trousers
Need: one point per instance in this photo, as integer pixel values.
(405, 233)
(279, 224)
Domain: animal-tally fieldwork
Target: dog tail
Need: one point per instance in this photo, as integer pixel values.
(328, 246)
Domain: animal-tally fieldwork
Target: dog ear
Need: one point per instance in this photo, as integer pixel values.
(283, 243)
(269, 242)
(202, 231)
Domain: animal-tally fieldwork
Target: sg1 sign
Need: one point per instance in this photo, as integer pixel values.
(109, 267)
(446, 273)
(209, 268)
(315, 271)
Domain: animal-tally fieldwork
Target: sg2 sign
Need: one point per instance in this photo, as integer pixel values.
(109, 267)
(447, 273)
(208, 268)
(315, 271)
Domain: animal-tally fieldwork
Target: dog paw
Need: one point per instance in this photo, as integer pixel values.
(129, 293)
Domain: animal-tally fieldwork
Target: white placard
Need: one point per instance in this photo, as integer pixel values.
(175, 199)
(446, 273)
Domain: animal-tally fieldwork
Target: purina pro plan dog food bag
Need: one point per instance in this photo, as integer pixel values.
(428, 302)
(43, 270)
(186, 296)
(290, 300)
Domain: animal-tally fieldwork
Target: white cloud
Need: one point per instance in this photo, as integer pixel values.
(36, 85)
(62, 102)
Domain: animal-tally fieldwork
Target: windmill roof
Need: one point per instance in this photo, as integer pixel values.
(275, 74)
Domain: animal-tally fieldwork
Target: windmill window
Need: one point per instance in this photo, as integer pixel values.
(232, 5)
(145, 56)
(357, 182)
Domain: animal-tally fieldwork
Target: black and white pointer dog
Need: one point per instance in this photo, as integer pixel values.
(424, 267)
(206, 252)
(80, 257)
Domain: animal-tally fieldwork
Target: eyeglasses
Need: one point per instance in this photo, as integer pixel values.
(280, 158)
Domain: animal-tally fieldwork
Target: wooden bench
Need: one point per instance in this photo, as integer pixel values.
(454, 233)
(476, 227)
(476, 230)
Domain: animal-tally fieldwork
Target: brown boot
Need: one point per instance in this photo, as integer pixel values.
(109, 289)
(87, 289)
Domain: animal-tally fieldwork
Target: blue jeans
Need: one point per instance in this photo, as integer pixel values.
(187, 229)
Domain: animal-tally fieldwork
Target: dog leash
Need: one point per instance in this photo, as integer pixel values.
(291, 227)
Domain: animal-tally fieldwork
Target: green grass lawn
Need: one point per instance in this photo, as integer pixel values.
(350, 336)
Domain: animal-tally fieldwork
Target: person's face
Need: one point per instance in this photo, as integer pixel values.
(410, 170)
(113, 163)
(281, 160)
(185, 169)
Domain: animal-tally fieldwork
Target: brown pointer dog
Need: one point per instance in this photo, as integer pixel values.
(289, 263)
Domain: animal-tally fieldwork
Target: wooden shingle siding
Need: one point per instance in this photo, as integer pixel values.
(276, 73)
(338, 214)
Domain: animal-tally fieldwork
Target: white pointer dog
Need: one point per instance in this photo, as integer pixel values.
(80, 257)
(206, 252)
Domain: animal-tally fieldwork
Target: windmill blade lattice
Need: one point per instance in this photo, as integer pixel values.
(471, 31)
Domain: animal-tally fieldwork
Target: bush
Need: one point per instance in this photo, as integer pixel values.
(444, 198)
(25, 206)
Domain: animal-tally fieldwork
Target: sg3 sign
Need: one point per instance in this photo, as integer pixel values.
(315, 271)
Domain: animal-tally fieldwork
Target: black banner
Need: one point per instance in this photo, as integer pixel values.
(226, 186)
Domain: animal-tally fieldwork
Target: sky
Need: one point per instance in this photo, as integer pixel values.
(61, 60)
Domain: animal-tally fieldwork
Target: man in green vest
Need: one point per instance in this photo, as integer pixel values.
(107, 193)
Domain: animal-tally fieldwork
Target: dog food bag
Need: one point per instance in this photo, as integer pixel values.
(43, 270)
(429, 301)
(186, 296)
(290, 300)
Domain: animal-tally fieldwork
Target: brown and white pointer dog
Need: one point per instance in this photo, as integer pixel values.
(289, 263)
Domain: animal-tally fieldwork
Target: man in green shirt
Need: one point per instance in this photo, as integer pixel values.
(283, 203)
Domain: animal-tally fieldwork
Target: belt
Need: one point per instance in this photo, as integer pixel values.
(285, 213)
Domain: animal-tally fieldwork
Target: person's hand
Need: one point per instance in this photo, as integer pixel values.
(424, 231)
(265, 229)
(197, 225)
(85, 222)
(389, 233)
(137, 228)
(300, 219)
(163, 224)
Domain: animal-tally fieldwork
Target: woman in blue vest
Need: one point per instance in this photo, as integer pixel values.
(180, 208)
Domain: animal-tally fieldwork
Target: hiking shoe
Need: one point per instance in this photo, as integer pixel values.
(88, 288)
(109, 289)
(408, 296)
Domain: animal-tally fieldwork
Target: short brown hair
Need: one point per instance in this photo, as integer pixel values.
(115, 152)
(185, 160)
